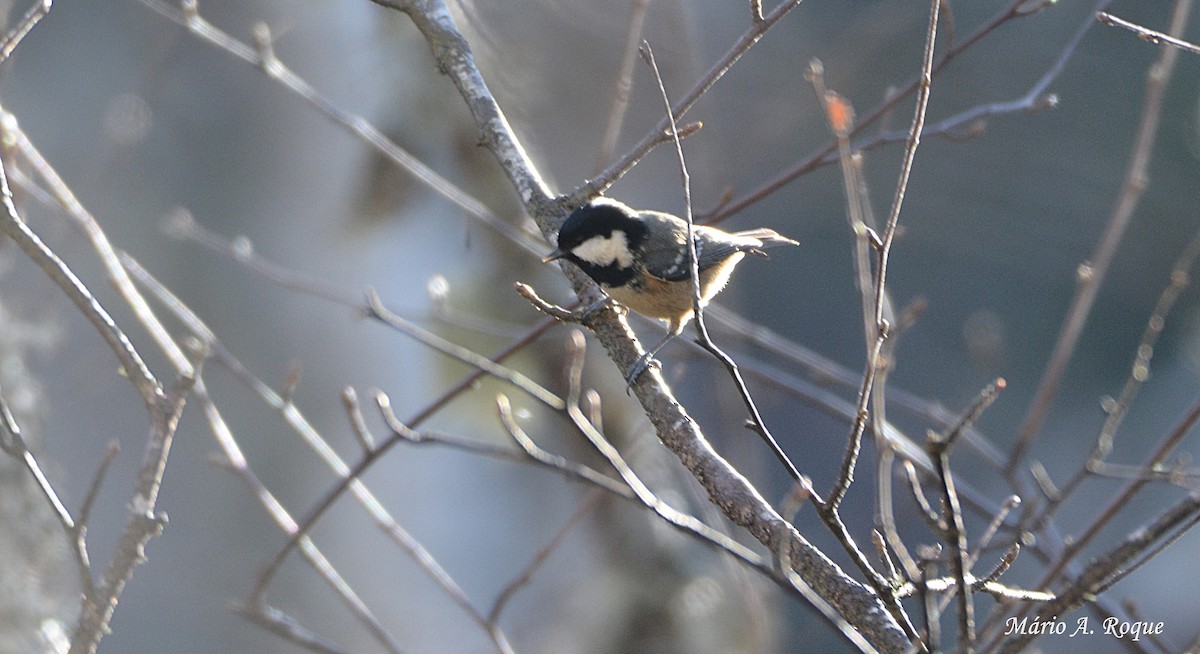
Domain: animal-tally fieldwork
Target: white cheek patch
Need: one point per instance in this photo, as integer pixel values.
(604, 250)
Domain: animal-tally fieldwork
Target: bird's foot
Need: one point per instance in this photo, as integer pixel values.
(586, 313)
(645, 361)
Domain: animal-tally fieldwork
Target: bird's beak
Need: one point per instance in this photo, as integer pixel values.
(554, 256)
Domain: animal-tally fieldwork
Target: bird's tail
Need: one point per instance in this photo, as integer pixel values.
(768, 238)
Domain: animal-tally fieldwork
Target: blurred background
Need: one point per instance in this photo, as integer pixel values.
(144, 121)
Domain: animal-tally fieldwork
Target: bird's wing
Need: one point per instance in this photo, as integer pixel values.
(665, 256)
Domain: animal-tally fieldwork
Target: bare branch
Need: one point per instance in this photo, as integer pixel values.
(561, 314)
(935, 521)
(14, 36)
(884, 248)
(465, 355)
(955, 530)
(284, 626)
(1145, 33)
(540, 456)
(454, 57)
(142, 524)
(1010, 503)
(1002, 566)
(13, 226)
(1092, 272)
(357, 422)
(163, 408)
(1109, 567)
(14, 445)
(85, 509)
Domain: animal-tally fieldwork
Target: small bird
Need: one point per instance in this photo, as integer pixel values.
(640, 259)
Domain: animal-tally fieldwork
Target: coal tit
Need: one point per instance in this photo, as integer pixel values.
(640, 258)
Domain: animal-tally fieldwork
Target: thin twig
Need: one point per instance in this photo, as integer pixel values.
(357, 422)
(561, 314)
(931, 517)
(143, 523)
(350, 478)
(469, 381)
(286, 627)
(163, 408)
(89, 499)
(839, 114)
(985, 539)
(927, 561)
(861, 416)
(1122, 499)
(756, 11)
(414, 548)
(925, 83)
(1134, 184)
(1063, 558)
(463, 354)
(828, 508)
(885, 557)
(756, 422)
(1002, 566)
(1145, 33)
(182, 225)
(533, 453)
(300, 535)
(13, 444)
(688, 525)
(955, 534)
(13, 226)
(830, 373)
(643, 492)
(1175, 472)
(883, 252)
